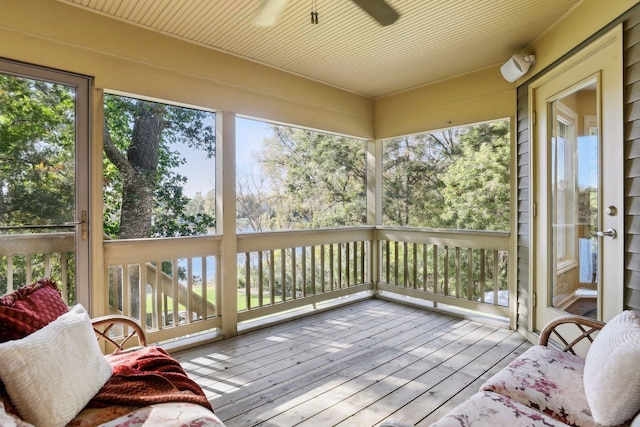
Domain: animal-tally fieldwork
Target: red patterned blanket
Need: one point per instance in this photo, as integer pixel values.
(147, 376)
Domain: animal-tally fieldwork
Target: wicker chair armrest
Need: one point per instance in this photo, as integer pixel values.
(129, 329)
(585, 326)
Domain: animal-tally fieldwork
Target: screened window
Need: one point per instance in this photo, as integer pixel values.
(159, 169)
(453, 178)
(291, 178)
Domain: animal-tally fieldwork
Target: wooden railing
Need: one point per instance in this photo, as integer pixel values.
(468, 269)
(28, 257)
(174, 287)
(286, 270)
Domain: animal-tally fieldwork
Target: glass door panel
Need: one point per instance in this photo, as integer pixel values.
(41, 221)
(574, 190)
(577, 186)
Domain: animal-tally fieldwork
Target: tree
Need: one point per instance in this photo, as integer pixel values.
(37, 179)
(318, 180)
(143, 195)
(456, 178)
(37, 137)
(412, 167)
(476, 188)
(253, 202)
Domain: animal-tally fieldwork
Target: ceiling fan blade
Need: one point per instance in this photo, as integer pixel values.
(379, 10)
(269, 12)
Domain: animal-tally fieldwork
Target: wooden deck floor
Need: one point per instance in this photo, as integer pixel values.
(356, 365)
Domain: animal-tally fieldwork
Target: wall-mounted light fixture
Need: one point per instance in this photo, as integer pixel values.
(517, 66)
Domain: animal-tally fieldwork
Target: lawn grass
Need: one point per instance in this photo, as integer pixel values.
(242, 301)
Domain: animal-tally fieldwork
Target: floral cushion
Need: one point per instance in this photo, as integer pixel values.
(90, 417)
(548, 380)
(164, 414)
(487, 409)
(168, 415)
(29, 309)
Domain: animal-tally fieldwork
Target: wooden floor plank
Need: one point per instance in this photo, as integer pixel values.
(356, 365)
(344, 347)
(466, 348)
(311, 386)
(365, 357)
(242, 362)
(364, 389)
(473, 387)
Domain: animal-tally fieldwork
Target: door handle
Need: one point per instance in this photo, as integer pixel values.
(609, 233)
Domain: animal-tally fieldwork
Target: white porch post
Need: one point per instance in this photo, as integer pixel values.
(513, 232)
(226, 218)
(374, 203)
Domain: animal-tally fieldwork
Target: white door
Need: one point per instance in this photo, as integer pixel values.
(577, 191)
(44, 179)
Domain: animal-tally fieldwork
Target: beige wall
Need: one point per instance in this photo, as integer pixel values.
(585, 19)
(129, 59)
(484, 95)
(472, 98)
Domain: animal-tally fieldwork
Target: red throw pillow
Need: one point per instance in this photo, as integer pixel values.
(29, 309)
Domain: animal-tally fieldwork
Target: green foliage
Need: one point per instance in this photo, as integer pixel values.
(317, 180)
(37, 131)
(476, 185)
(411, 178)
(149, 168)
(457, 178)
(37, 168)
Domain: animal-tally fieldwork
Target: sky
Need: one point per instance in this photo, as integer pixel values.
(588, 161)
(200, 171)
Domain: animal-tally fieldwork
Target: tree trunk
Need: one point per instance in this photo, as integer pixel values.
(140, 181)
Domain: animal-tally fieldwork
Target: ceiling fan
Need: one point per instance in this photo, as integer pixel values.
(379, 10)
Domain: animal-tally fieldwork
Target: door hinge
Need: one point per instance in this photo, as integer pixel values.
(534, 209)
(534, 299)
(533, 118)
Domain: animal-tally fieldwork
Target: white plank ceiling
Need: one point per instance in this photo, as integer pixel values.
(432, 40)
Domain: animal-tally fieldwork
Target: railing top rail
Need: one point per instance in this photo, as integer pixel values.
(117, 251)
(296, 238)
(145, 250)
(36, 243)
(441, 230)
(498, 240)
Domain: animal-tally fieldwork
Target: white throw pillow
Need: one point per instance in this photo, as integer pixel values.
(52, 374)
(611, 374)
